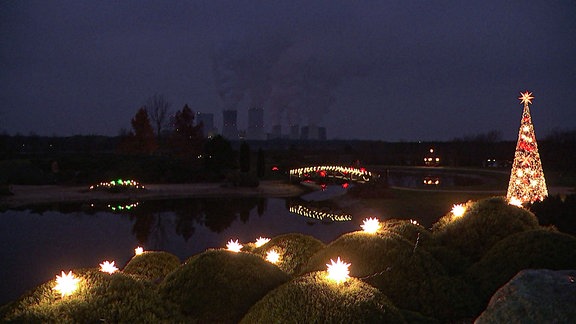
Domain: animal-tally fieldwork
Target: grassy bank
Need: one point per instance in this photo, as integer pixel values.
(426, 206)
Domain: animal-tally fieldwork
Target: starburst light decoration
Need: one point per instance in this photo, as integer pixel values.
(108, 267)
(458, 210)
(234, 246)
(526, 98)
(527, 183)
(338, 271)
(261, 241)
(371, 225)
(273, 256)
(139, 250)
(66, 284)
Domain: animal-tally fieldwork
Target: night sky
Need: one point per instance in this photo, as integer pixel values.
(380, 70)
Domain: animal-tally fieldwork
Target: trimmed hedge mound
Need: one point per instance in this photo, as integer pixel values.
(484, 224)
(100, 297)
(220, 286)
(538, 249)
(408, 275)
(409, 231)
(314, 299)
(153, 265)
(295, 250)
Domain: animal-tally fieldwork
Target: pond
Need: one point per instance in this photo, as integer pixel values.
(39, 242)
(429, 178)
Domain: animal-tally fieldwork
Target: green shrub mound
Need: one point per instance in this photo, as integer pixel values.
(295, 250)
(153, 265)
(453, 261)
(538, 249)
(314, 299)
(405, 273)
(406, 229)
(101, 297)
(220, 286)
(484, 223)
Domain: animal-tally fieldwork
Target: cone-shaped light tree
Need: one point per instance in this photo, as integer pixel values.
(527, 183)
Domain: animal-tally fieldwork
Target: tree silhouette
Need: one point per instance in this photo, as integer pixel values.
(244, 157)
(260, 164)
(187, 139)
(219, 155)
(141, 140)
(157, 107)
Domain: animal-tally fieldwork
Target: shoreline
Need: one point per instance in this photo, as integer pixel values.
(30, 195)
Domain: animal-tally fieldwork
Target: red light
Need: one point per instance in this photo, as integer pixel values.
(275, 168)
(322, 173)
(345, 185)
(363, 169)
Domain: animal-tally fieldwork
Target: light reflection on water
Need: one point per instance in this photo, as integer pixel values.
(35, 245)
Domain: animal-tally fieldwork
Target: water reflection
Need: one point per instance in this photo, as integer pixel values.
(150, 221)
(322, 211)
(431, 179)
(39, 242)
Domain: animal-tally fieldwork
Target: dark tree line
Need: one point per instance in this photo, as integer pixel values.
(182, 142)
(185, 139)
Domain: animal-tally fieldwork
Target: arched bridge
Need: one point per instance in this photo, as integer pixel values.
(345, 173)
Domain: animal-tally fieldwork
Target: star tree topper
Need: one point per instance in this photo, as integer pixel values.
(526, 97)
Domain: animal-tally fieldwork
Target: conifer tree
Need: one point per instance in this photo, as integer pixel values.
(141, 139)
(186, 139)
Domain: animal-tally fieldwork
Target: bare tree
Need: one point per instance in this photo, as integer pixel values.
(157, 107)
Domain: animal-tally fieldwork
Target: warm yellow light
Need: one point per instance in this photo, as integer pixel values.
(515, 202)
(108, 267)
(371, 225)
(458, 210)
(234, 246)
(526, 97)
(414, 222)
(139, 250)
(338, 271)
(66, 284)
(273, 256)
(261, 241)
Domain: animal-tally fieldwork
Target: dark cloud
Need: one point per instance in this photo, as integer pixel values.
(385, 70)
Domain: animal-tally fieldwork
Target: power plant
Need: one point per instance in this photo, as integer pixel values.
(256, 128)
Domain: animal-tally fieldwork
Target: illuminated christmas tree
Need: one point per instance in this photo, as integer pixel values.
(527, 183)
